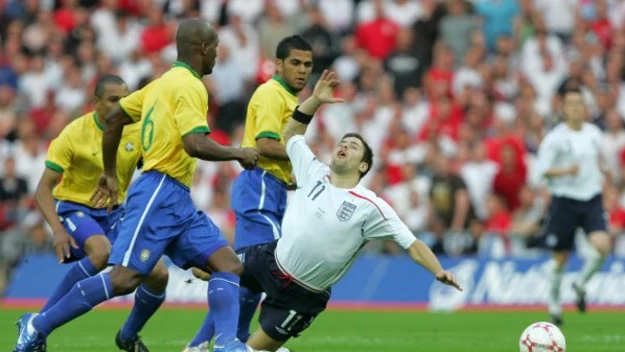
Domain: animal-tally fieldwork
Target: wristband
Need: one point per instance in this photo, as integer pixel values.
(301, 117)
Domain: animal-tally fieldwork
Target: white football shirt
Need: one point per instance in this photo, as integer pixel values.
(325, 227)
(564, 147)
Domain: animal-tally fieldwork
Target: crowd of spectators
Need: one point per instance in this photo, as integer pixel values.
(454, 96)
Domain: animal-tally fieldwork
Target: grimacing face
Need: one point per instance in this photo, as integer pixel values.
(296, 68)
(111, 94)
(347, 156)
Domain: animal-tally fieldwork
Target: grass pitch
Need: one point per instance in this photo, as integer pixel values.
(346, 331)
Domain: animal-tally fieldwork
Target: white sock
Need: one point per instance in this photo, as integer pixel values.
(555, 306)
(592, 264)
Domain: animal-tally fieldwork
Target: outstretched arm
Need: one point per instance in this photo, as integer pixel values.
(199, 146)
(272, 149)
(384, 222)
(322, 94)
(424, 256)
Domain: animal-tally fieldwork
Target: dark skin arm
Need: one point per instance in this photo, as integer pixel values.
(272, 149)
(107, 185)
(195, 144)
(45, 203)
(115, 122)
(198, 146)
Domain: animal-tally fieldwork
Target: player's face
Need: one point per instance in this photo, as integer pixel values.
(347, 156)
(210, 55)
(111, 95)
(574, 107)
(296, 68)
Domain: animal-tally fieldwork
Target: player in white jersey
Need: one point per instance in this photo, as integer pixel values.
(569, 158)
(327, 222)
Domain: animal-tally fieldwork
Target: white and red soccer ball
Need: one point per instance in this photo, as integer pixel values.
(542, 337)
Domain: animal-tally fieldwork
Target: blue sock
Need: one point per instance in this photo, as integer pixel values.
(79, 300)
(248, 301)
(223, 300)
(79, 271)
(206, 332)
(146, 304)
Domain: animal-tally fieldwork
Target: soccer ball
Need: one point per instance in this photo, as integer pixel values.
(542, 337)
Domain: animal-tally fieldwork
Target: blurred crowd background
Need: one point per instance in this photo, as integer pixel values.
(453, 95)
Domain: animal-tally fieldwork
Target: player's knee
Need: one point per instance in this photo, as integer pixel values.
(124, 280)
(602, 243)
(560, 258)
(125, 287)
(98, 248)
(603, 249)
(100, 258)
(234, 267)
(158, 278)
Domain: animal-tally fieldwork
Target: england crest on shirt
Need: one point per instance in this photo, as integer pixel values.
(346, 210)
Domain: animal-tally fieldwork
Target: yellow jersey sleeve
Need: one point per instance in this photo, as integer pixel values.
(132, 105)
(191, 106)
(60, 153)
(269, 108)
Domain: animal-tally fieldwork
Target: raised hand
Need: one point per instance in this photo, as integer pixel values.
(324, 89)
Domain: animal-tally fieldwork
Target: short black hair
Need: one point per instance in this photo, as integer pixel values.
(104, 80)
(573, 89)
(367, 156)
(191, 33)
(296, 42)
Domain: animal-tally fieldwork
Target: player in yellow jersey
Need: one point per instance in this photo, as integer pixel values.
(160, 217)
(259, 195)
(83, 233)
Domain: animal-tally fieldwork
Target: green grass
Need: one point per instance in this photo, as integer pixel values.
(339, 331)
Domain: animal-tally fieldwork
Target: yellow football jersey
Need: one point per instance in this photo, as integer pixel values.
(268, 112)
(77, 154)
(169, 108)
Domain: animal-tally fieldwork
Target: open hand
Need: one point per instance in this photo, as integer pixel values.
(448, 278)
(62, 243)
(324, 89)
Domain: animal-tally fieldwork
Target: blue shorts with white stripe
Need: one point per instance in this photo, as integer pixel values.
(161, 218)
(82, 222)
(259, 201)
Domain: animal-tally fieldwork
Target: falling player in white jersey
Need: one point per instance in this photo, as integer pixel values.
(328, 221)
(569, 158)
